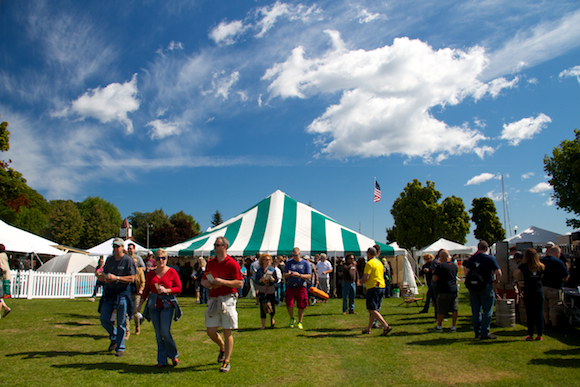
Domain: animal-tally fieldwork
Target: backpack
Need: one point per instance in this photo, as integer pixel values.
(474, 280)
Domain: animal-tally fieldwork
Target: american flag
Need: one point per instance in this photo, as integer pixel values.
(377, 192)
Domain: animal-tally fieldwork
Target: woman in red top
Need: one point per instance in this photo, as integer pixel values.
(162, 285)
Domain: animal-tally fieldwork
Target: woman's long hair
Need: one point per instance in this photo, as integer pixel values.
(532, 259)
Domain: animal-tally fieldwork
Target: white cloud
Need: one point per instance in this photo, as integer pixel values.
(495, 196)
(545, 41)
(221, 85)
(111, 103)
(541, 188)
(387, 95)
(262, 19)
(364, 16)
(175, 46)
(162, 128)
(226, 33)
(549, 202)
(482, 178)
(524, 129)
(526, 176)
(571, 72)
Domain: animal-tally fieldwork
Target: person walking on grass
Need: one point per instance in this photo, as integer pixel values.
(297, 273)
(531, 291)
(482, 300)
(222, 276)
(445, 275)
(118, 275)
(374, 282)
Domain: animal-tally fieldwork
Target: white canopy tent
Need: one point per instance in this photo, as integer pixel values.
(106, 248)
(70, 263)
(20, 241)
(450, 246)
(535, 235)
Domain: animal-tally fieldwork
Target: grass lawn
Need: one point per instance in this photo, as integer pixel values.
(61, 342)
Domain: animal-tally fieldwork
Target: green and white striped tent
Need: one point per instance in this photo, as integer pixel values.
(275, 226)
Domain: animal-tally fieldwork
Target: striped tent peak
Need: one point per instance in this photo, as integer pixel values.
(277, 224)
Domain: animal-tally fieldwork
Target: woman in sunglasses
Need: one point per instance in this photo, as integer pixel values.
(163, 284)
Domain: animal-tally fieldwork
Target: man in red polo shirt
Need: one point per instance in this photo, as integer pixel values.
(222, 277)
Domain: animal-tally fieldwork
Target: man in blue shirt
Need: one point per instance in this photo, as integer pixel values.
(297, 272)
(482, 300)
(555, 274)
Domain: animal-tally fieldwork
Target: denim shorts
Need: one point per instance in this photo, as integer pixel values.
(375, 298)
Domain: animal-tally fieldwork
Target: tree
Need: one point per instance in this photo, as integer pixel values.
(564, 171)
(487, 224)
(66, 222)
(185, 226)
(216, 219)
(420, 220)
(101, 219)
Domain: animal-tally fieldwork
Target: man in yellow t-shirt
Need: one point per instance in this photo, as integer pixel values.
(375, 284)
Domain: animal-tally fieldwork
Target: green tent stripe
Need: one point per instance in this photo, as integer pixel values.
(288, 229)
(350, 242)
(191, 248)
(255, 242)
(318, 234)
(386, 249)
(232, 231)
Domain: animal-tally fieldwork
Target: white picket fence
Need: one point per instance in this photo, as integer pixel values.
(31, 284)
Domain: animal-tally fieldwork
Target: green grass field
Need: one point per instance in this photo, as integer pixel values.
(61, 343)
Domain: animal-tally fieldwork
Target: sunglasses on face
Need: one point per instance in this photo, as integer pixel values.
(161, 258)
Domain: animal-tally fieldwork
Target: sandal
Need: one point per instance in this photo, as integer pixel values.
(387, 330)
(366, 332)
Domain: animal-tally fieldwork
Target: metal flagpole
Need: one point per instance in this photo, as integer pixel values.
(374, 185)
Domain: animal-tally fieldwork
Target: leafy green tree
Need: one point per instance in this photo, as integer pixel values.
(563, 167)
(455, 220)
(101, 219)
(216, 218)
(4, 137)
(163, 236)
(66, 222)
(419, 218)
(185, 226)
(416, 214)
(487, 224)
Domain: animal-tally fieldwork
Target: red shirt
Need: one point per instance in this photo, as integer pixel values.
(169, 280)
(228, 269)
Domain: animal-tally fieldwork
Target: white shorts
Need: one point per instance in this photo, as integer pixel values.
(227, 320)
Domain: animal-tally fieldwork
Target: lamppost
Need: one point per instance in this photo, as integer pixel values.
(148, 225)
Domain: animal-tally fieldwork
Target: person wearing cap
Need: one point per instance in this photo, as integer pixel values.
(118, 275)
(297, 273)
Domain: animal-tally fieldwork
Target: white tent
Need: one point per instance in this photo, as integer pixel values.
(450, 246)
(106, 248)
(275, 226)
(20, 241)
(70, 263)
(535, 235)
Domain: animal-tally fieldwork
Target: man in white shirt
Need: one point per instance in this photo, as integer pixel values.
(324, 268)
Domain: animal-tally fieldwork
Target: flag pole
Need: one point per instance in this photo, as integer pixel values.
(374, 185)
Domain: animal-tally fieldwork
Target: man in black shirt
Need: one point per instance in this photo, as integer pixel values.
(445, 275)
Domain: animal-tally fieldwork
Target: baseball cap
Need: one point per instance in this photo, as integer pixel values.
(118, 242)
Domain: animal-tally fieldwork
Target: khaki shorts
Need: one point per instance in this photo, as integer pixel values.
(553, 300)
(226, 320)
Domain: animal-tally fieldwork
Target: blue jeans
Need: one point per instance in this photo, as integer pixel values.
(203, 294)
(428, 298)
(161, 319)
(98, 285)
(348, 295)
(482, 310)
(116, 334)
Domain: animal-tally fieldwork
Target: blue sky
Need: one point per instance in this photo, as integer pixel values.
(203, 105)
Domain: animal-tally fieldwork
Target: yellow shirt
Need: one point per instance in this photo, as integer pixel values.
(374, 268)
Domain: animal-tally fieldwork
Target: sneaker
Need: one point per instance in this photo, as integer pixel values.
(112, 347)
(175, 362)
(437, 329)
(119, 353)
(300, 326)
(490, 337)
(529, 338)
(453, 329)
(221, 357)
(292, 322)
(225, 367)
(6, 311)
(539, 338)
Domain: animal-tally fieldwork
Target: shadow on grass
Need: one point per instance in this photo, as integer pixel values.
(81, 316)
(137, 369)
(52, 354)
(85, 336)
(564, 352)
(557, 362)
(78, 324)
